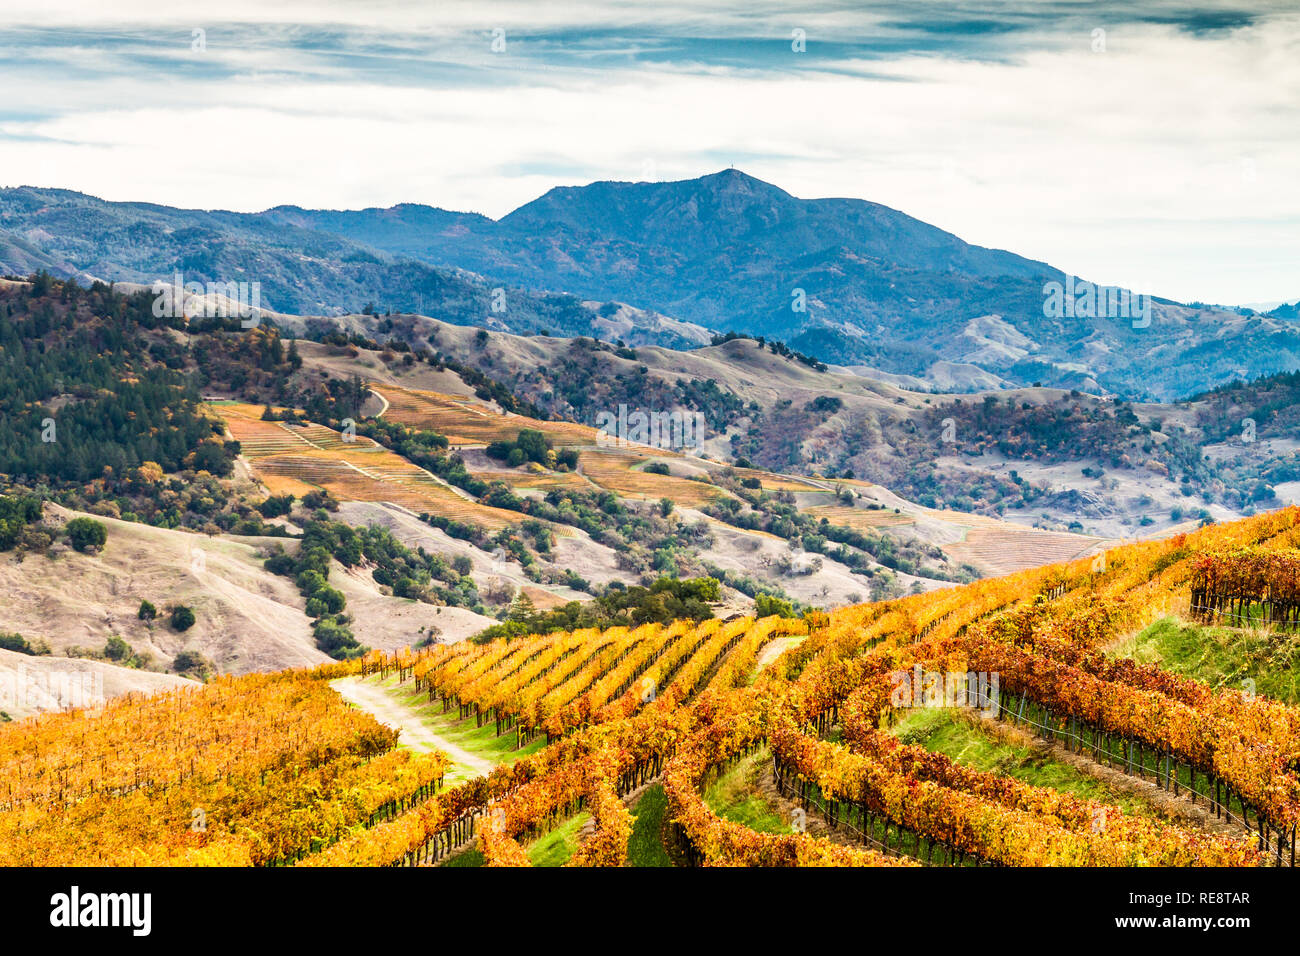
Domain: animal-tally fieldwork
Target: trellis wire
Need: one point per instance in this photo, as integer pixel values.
(1272, 840)
(1207, 614)
(787, 789)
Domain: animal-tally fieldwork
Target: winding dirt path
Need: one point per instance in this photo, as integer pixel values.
(774, 649)
(415, 734)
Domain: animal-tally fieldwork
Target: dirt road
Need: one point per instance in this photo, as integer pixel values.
(415, 734)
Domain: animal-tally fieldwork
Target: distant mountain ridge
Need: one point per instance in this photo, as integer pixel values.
(852, 282)
(301, 270)
(1284, 311)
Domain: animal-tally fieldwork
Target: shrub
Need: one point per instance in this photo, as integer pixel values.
(765, 605)
(315, 500)
(825, 403)
(333, 599)
(280, 564)
(35, 540)
(275, 506)
(15, 514)
(147, 611)
(191, 662)
(16, 642)
(182, 618)
(529, 445)
(86, 533)
(335, 638)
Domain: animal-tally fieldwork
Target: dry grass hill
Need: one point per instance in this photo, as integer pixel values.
(246, 618)
(378, 486)
(1114, 480)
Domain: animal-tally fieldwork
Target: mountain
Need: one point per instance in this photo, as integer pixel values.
(851, 282)
(629, 235)
(301, 270)
(881, 290)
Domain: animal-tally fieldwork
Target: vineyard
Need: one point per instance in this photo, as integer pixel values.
(279, 770)
(466, 421)
(295, 459)
(255, 770)
(1003, 550)
(861, 519)
(1249, 586)
(291, 458)
(618, 471)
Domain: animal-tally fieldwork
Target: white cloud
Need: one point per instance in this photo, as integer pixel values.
(1170, 160)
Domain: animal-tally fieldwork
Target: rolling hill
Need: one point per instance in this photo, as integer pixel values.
(299, 270)
(1056, 458)
(774, 741)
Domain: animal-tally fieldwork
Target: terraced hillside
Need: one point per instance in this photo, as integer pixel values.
(467, 421)
(584, 723)
(292, 458)
(1003, 550)
(996, 547)
(823, 707)
(892, 545)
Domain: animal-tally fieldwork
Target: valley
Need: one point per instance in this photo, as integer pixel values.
(814, 486)
(1063, 461)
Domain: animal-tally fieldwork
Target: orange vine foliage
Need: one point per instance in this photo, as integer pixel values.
(282, 770)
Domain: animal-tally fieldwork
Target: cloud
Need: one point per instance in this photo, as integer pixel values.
(1168, 160)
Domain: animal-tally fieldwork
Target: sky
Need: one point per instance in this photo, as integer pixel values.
(1147, 144)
